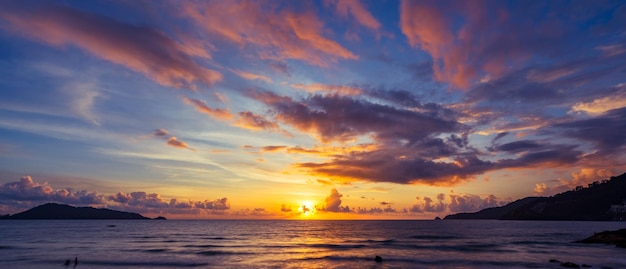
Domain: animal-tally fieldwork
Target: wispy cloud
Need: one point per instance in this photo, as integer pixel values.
(331, 89)
(174, 142)
(139, 48)
(201, 106)
(278, 32)
(251, 76)
(356, 10)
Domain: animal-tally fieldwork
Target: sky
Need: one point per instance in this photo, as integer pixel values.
(333, 109)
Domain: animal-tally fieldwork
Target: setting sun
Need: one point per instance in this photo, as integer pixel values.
(307, 209)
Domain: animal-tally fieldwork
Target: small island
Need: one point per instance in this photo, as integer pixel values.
(61, 211)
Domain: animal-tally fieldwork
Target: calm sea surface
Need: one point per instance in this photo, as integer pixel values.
(302, 244)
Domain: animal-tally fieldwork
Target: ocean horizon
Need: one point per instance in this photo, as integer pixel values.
(303, 244)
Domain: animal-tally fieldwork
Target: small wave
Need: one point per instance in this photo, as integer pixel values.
(333, 246)
(434, 237)
(334, 258)
(219, 253)
(143, 264)
(204, 246)
(156, 250)
(215, 238)
(369, 241)
(528, 242)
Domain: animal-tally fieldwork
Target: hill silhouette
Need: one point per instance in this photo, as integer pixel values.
(600, 200)
(60, 211)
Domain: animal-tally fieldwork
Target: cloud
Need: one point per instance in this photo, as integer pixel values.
(416, 143)
(280, 67)
(255, 122)
(356, 9)
(273, 148)
(201, 106)
(285, 208)
(154, 203)
(84, 96)
(517, 146)
(139, 48)
(341, 118)
(276, 31)
(605, 131)
(298, 149)
(333, 203)
(472, 203)
(375, 210)
(387, 166)
(429, 205)
(160, 132)
(332, 89)
(477, 42)
(251, 76)
(582, 178)
(27, 192)
(602, 104)
(174, 142)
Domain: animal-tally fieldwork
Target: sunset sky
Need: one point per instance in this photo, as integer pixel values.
(334, 109)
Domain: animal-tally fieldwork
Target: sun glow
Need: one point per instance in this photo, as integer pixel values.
(307, 209)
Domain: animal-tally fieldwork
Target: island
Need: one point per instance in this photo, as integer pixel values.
(600, 201)
(61, 211)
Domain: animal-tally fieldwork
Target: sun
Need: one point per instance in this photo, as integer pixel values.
(307, 209)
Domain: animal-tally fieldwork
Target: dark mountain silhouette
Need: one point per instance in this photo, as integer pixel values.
(59, 211)
(494, 212)
(605, 200)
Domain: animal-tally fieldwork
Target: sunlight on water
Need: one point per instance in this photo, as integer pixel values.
(302, 244)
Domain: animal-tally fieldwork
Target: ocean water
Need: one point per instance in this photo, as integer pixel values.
(302, 244)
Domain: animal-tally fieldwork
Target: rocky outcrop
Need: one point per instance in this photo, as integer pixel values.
(617, 238)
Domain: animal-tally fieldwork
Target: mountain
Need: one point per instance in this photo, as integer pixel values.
(605, 200)
(59, 211)
(494, 212)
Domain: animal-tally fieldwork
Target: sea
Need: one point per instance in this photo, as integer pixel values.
(303, 244)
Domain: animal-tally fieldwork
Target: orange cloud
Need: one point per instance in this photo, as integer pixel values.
(174, 142)
(358, 11)
(481, 49)
(338, 89)
(425, 27)
(251, 76)
(138, 48)
(272, 148)
(279, 33)
(201, 106)
(251, 121)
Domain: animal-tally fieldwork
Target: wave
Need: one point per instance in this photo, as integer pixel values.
(143, 264)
